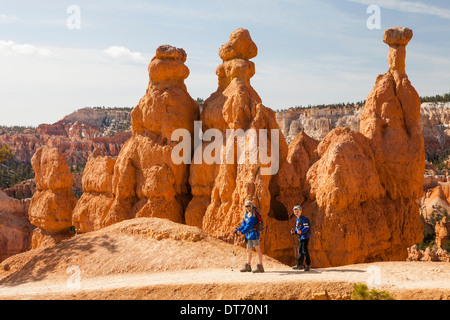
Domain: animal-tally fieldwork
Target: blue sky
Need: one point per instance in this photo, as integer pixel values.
(309, 52)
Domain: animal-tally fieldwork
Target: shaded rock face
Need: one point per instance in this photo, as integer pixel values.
(15, 229)
(52, 204)
(146, 182)
(362, 190)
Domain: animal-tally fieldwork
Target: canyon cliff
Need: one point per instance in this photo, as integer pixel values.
(318, 122)
(76, 135)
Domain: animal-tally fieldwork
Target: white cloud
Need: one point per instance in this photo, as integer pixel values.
(125, 54)
(10, 48)
(408, 6)
(4, 19)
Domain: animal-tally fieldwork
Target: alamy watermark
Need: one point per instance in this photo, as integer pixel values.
(73, 21)
(374, 279)
(248, 150)
(74, 280)
(374, 20)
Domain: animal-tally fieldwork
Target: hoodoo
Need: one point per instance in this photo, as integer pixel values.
(364, 187)
(52, 204)
(146, 182)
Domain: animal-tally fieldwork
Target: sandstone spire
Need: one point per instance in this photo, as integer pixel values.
(363, 188)
(220, 189)
(97, 197)
(52, 204)
(146, 182)
(391, 121)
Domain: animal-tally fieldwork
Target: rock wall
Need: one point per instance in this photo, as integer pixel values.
(15, 229)
(318, 122)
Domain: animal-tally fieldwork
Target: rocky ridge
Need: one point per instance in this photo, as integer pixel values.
(318, 122)
(76, 135)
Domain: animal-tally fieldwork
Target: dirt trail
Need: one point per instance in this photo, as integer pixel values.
(150, 258)
(401, 279)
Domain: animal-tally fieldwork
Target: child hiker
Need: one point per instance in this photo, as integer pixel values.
(302, 230)
(252, 235)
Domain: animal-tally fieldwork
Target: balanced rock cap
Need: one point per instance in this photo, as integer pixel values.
(169, 52)
(397, 36)
(239, 46)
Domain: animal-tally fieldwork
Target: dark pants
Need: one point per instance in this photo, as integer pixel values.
(304, 253)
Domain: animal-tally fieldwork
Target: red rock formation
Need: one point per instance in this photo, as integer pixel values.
(363, 189)
(391, 121)
(146, 182)
(22, 190)
(357, 188)
(94, 204)
(15, 229)
(52, 204)
(442, 233)
(434, 204)
(220, 188)
(76, 136)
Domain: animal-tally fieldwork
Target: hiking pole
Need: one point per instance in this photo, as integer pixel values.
(233, 257)
(295, 249)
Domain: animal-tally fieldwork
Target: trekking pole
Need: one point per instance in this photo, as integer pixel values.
(295, 249)
(233, 257)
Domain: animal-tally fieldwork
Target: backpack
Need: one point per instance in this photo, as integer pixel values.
(259, 226)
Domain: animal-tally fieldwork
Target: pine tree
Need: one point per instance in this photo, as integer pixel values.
(5, 153)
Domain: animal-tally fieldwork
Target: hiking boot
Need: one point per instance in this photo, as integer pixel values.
(259, 269)
(307, 267)
(297, 267)
(246, 268)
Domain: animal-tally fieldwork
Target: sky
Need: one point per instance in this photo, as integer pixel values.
(60, 56)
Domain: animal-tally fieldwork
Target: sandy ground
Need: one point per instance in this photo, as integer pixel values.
(404, 280)
(151, 258)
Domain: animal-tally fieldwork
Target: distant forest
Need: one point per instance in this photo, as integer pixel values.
(437, 98)
(110, 108)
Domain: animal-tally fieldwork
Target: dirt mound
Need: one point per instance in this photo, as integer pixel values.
(133, 246)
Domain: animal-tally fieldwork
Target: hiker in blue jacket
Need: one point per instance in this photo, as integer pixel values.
(302, 227)
(252, 235)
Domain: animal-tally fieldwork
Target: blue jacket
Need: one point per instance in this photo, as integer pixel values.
(302, 228)
(248, 227)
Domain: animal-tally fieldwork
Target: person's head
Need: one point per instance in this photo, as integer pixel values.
(298, 211)
(248, 206)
